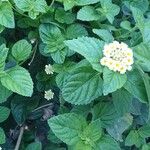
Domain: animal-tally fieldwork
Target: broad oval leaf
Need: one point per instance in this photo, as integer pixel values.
(112, 81)
(18, 80)
(21, 50)
(4, 111)
(82, 86)
(6, 15)
(52, 37)
(67, 127)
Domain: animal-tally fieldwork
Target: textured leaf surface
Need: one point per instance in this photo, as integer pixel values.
(52, 37)
(90, 48)
(135, 86)
(18, 80)
(4, 93)
(3, 56)
(67, 127)
(122, 98)
(21, 50)
(112, 81)
(88, 13)
(82, 86)
(6, 15)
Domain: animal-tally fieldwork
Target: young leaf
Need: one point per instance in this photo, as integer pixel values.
(68, 123)
(109, 9)
(2, 136)
(21, 50)
(6, 15)
(3, 56)
(75, 31)
(32, 7)
(52, 37)
(88, 13)
(112, 81)
(4, 111)
(92, 132)
(90, 48)
(64, 17)
(18, 80)
(83, 85)
(104, 35)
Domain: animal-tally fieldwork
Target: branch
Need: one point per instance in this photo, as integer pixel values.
(19, 138)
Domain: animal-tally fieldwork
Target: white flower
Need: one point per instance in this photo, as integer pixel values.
(49, 69)
(0, 148)
(49, 95)
(117, 57)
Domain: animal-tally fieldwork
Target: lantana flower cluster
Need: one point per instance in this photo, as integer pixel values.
(117, 57)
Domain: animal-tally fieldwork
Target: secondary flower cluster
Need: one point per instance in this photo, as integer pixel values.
(117, 57)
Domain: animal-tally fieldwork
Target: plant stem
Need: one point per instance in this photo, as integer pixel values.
(52, 3)
(42, 107)
(34, 52)
(19, 138)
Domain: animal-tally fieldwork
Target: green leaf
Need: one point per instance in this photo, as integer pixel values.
(82, 86)
(135, 86)
(4, 111)
(19, 109)
(33, 7)
(21, 50)
(81, 145)
(75, 31)
(144, 131)
(6, 15)
(107, 143)
(133, 138)
(64, 17)
(140, 4)
(112, 81)
(92, 132)
(142, 54)
(59, 56)
(126, 25)
(52, 37)
(34, 146)
(2, 136)
(146, 146)
(90, 48)
(109, 9)
(5, 93)
(70, 4)
(88, 13)
(122, 98)
(18, 80)
(3, 56)
(119, 126)
(105, 112)
(86, 2)
(104, 35)
(68, 123)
